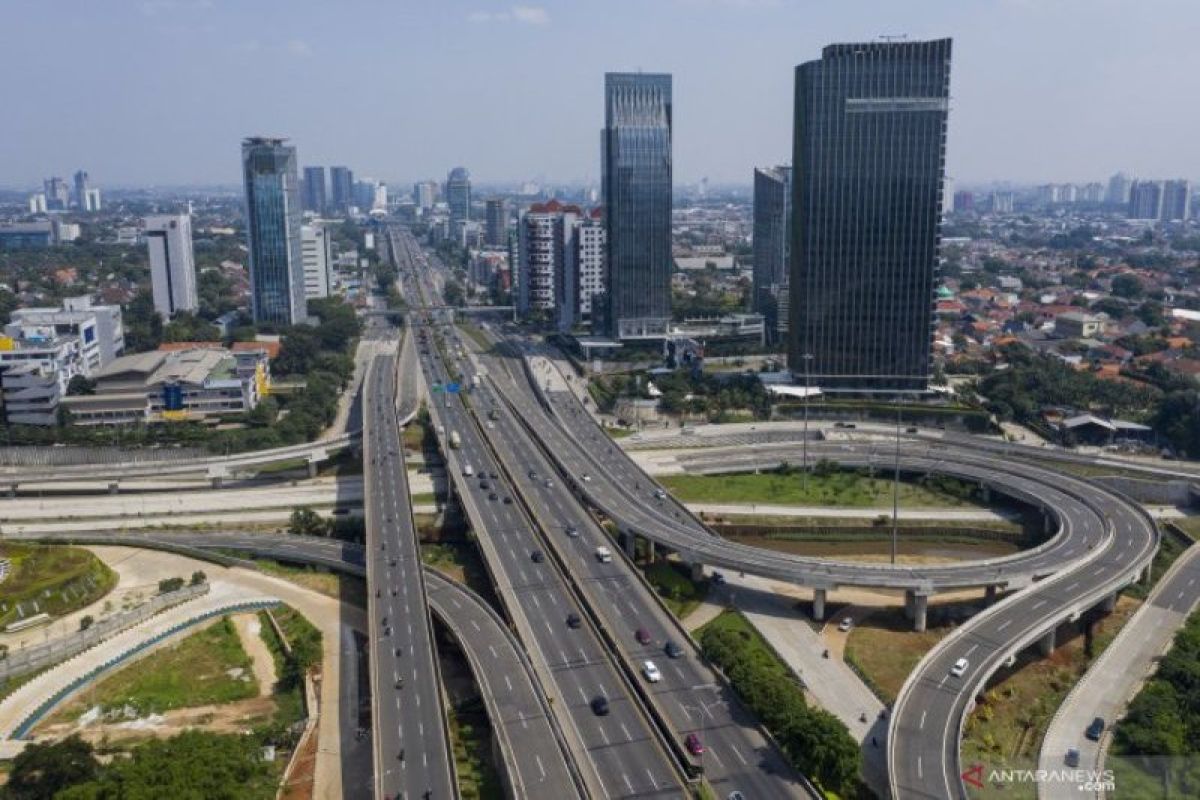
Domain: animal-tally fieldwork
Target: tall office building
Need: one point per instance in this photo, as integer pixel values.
(1176, 201)
(772, 229)
(273, 230)
(172, 263)
(458, 198)
(869, 159)
(590, 248)
(314, 189)
(964, 202)
(341, 189)
(1118, 189)
(636, 167)
(1145, 200)
(81, 190)
(425, 194)
(496, 218)
(58, 197)
(315, 251)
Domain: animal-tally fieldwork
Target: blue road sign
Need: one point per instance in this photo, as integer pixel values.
(452, 388)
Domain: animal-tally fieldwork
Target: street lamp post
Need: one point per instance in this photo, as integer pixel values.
(807, 357)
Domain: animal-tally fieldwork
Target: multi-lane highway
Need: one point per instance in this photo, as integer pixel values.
(412, 754)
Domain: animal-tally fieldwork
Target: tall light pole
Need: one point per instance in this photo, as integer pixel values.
(896, 485)
(807, 357)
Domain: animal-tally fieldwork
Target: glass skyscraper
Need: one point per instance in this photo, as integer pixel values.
(869, 162)
(458, 197)
(636, 168)
(772, 222)
(314, 189)
(341, 188)
(273, 230)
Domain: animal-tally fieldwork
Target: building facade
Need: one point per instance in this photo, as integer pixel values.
(58, 196)
(636, 176)
(1146, 200)
(341, 189)
(315, 247)
(869, 159)
(590, 248)
(772, 232)
(172, 263)
(82, 186)
(99, 329)
(458, 197)
(273, 229)
(1176, 201)
(496, 219)
(314, 190)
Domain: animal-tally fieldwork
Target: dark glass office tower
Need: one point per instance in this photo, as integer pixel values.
(869, 160)
(314, 189)
(636, 168)
(341, 188)
(273, 230)
(772, 220)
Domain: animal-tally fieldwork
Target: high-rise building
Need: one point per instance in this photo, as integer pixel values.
(1119, 186)
(546, 280)
(37, 203)
(1145, 200)
(425, 194)
(496, 218)
(964, 202)
(81, 190)
(636, 175)
(1091, 192)
(314, 189)
(772, 231)
(316, 252)
(590, 238)
(172, 263)
(273, 230)
(91, 200)
(58, 197)
(458, 197)
(1000, 202)
(1176, 200)
(341, 189)
(869, 158)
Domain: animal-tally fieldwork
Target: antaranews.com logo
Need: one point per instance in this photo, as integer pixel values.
(1083, 780)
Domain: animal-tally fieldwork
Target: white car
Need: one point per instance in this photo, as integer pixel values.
(650, 670)
(959, 667)
(845, 625)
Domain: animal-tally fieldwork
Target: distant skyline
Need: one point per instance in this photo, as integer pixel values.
(161, 92)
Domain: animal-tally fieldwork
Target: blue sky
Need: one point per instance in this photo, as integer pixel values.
(161, 91)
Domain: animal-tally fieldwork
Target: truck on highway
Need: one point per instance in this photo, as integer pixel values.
(468, 470)
(475, 380)
(455, 440)
(603, 555)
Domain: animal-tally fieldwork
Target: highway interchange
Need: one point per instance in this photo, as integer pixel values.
(527, 464)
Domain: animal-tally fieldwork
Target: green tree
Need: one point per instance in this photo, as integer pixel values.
(306, 522)
(1127, 285)
(143, 325)
(41, 771)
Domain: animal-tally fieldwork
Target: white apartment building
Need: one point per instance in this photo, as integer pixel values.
(316, 255)
(590, 241)
(172, 263)
(99, 329)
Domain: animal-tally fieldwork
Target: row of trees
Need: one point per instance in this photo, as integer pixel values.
(814, 740)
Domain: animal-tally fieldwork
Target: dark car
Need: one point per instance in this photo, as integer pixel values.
(574, 620)
(1095, 730)
(538, 556)
(492, 496)
(600, 705)
(642, 635)
(718, 579)
(493, 475)
(673, 650)
(484, 485)
(572, 531)
(508, 501)
(693, 744)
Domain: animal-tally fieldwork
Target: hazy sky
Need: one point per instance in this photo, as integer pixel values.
(161, 91)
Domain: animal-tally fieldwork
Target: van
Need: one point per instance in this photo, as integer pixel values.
(468, 470)
(603, 555)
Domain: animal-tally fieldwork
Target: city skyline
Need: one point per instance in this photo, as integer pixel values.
(1010, 121)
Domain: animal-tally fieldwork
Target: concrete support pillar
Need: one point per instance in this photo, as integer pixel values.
(989, 593)
(697, 571)
(1047, 642)
(650, 551)
(985, 492)
(1047, 522)
(1109, 604)
(629, 542)
(113, 487)
(1146, 574)
(12, 490)
(920, 607)
(312, 469)
(217, 481)
(818, 611)
(909, 603)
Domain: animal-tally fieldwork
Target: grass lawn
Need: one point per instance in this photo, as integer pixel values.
(347, 588)
(1172, 547)
(52, 579)
(1189, 525)
(734, 621)
(423, 499)
(1006, 729)
(884, 648)
(199, 670)
(841, 488)
(678, 591)
(620, 433)
(476, 335)
(288, 693)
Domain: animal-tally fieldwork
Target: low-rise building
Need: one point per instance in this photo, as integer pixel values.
(195, 384)
(99, 329)
(1075, 325)
(34, 375)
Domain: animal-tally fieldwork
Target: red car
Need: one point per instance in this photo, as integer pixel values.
(642, 635)
(693, 744)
